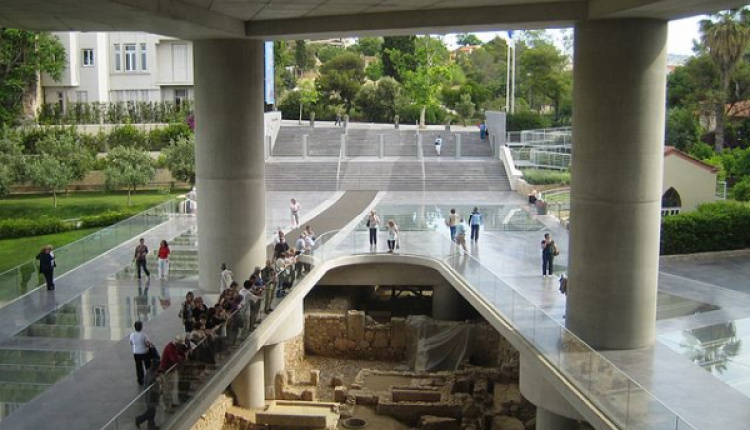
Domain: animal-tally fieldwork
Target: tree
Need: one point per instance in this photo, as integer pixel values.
(128, 167)
(180, 159)
(431, 69)
(370, 46)
(304, 57)
(403, 45)
(62, 159)
(468, 39)
(725, 36)
(377, 100)
(465, 107)
(308, 95)
(24, 55)
(11, 161)
(683, 130)
(342, 76)
(545, 78)
(326, 53)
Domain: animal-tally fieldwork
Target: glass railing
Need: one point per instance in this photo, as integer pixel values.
(628, 404)
(176, 386)
(25, 277)
(624, 401)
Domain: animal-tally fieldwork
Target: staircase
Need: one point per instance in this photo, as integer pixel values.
(400, 169)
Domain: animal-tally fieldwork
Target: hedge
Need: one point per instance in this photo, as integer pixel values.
(720, 226)
(546, 177)
(15, 228)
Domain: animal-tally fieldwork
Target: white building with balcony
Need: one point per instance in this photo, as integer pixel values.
(120, 67)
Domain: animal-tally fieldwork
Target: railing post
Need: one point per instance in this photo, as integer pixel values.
(458, 146)
(343, 144)
(381, 154)
(419, 147)
(305, 146)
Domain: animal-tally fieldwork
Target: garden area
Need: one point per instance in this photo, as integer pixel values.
(28, 222)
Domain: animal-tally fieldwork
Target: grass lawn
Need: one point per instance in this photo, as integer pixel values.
(78, 204)
(16, 251)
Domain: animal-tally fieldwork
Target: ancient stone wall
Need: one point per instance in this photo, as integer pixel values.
(215, 415)
(294, 351)
(354, 336)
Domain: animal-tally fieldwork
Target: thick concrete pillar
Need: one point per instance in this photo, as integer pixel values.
(273, 360)
(249, 385)
(619, 87)
(447, 303)
(546, 420)
(230, 169)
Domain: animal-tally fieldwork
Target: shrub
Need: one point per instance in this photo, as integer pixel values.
(527, 120)
(717, 226)
(13, 228)
(160, 138)
(546, 177)
(741, 190)
(106, 219)
(128, 136)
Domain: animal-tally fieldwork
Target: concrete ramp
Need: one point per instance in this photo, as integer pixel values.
(351, 204)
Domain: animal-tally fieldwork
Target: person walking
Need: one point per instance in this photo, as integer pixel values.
(451, 222)
(461, 236)
(270, 278)
(140, 344)
(438, 144)
(47, 266)
(141, 252)
(163, 260)
(373, 223)
(392, 235)
(475, 220)
(549, 250)
(294, 208)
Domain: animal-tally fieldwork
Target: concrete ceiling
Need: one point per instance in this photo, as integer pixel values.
(293, 19)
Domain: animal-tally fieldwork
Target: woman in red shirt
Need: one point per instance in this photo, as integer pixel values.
(163, 260)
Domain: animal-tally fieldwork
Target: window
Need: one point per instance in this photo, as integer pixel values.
(130, 57)
(82, 96)
(118, 59)
(671, 203)
(179, 96)
(143, 57)
(88, 58)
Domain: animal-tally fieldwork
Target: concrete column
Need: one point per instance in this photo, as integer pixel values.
(249, 385)
(546, 420)
(458, 146)
(343, 143)
(293, 325)
(305, 146)
(616, 181)
(273, 360)
(447, 303)
(268, 149)
(230, 169)
(537, 390)
(381, 154)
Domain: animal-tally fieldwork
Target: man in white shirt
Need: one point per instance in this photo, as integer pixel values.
(227, 277)
(140, 345)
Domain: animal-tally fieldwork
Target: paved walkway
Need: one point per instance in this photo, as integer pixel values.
(104, 382)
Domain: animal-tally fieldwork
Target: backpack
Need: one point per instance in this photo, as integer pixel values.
(555, 251)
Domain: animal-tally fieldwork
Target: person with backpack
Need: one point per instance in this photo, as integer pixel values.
(475, 220)
(373, 223)
(438, 144)
(549, 251)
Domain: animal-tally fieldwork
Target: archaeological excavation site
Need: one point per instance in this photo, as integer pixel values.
(396, 356)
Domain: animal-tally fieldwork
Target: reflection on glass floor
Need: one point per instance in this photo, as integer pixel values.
(105, 312)
(672, 306)
(717, 349)
(432, 216)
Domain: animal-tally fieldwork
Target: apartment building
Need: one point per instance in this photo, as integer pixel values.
(120, 67)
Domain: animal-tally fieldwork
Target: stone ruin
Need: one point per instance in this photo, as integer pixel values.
(476, 399)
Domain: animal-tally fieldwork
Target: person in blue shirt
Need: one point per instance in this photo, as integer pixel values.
(475, 220)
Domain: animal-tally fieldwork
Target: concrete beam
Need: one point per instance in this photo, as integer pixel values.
(518, 16)
(165, 17)
(660, 9)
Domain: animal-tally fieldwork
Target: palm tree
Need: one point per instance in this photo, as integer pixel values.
(726, 36)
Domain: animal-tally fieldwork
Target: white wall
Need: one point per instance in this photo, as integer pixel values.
(694, 183)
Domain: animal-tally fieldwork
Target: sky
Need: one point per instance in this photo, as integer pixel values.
(679, 40)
